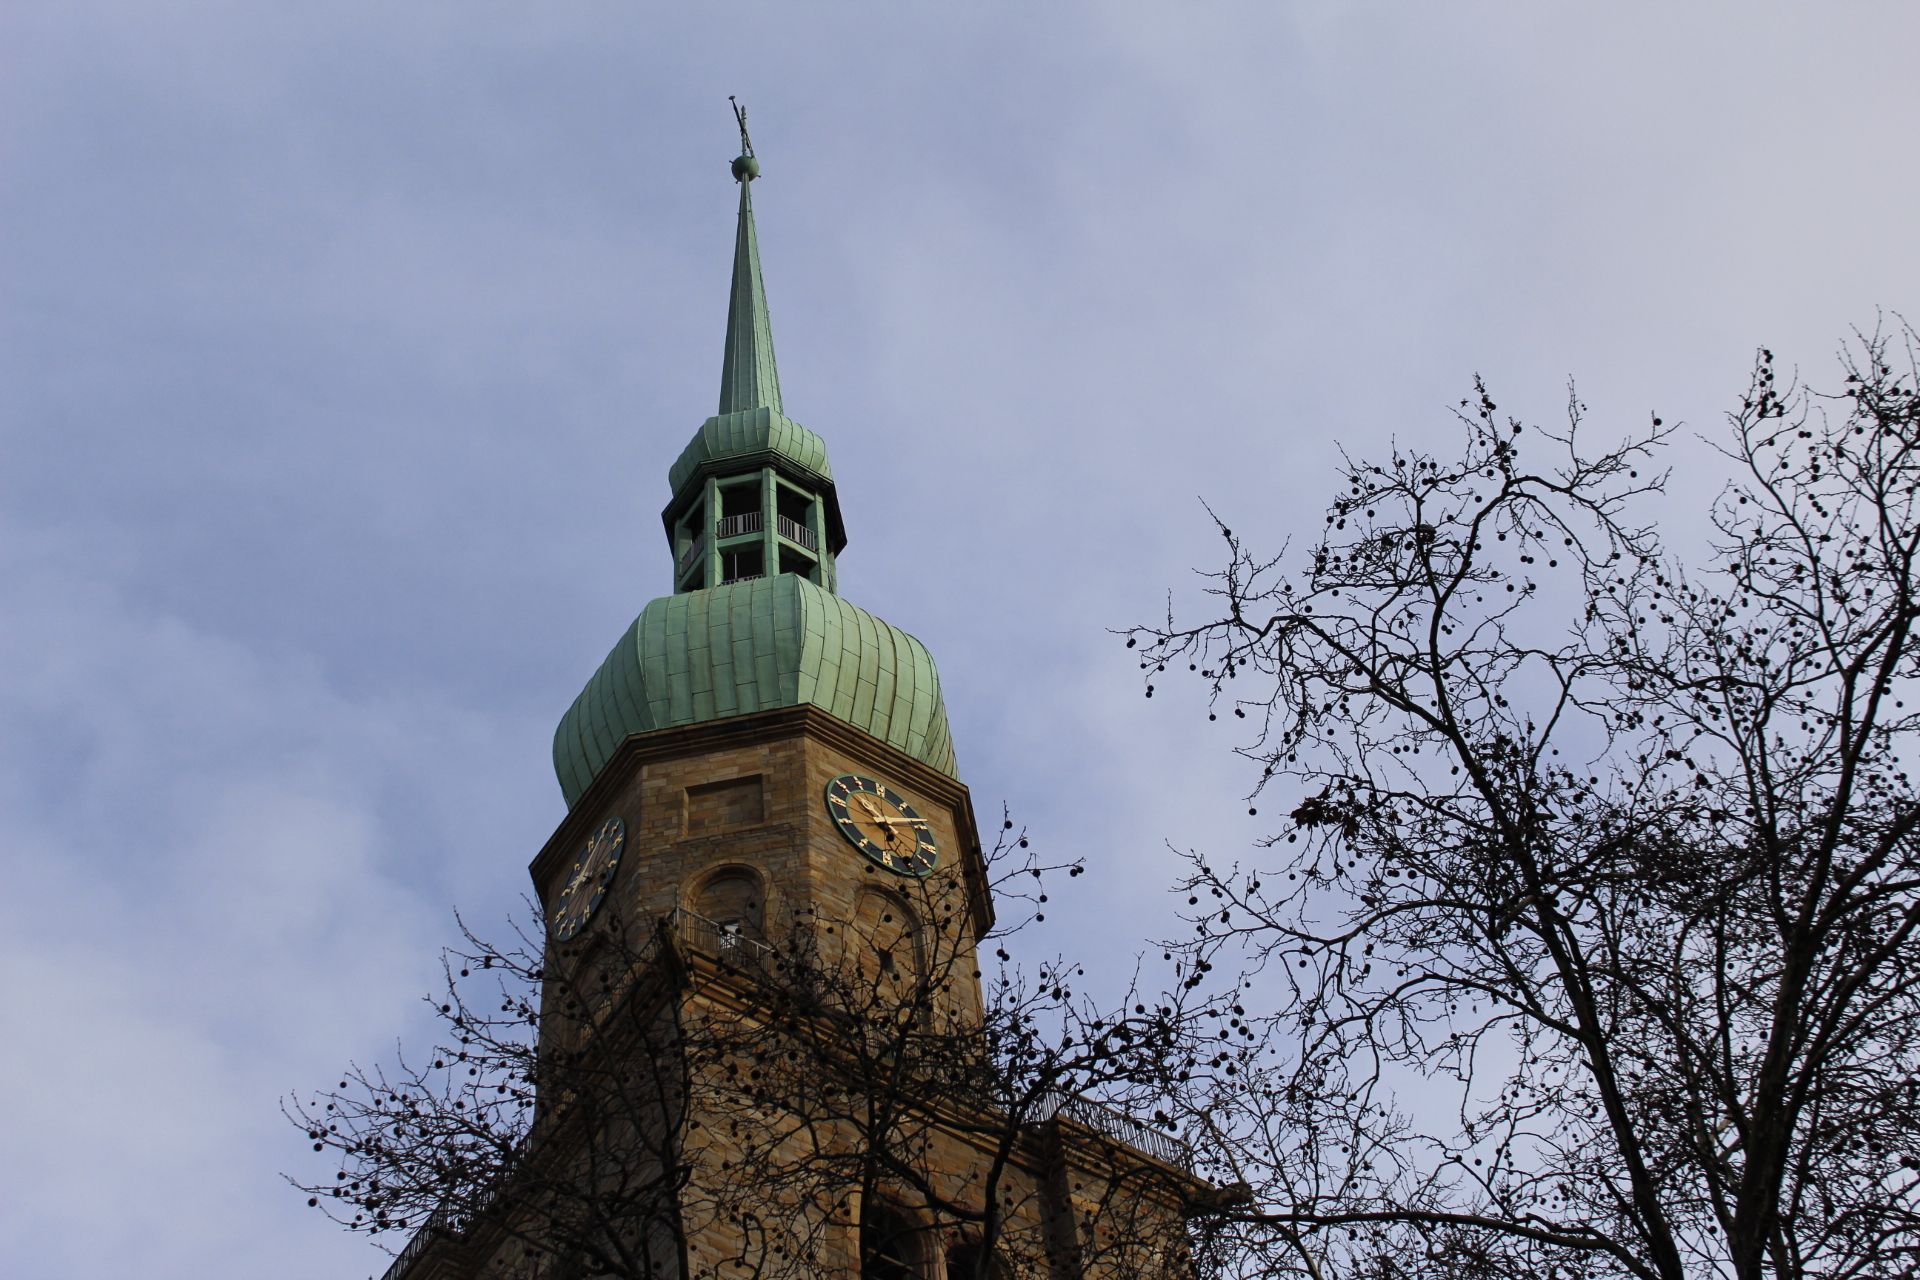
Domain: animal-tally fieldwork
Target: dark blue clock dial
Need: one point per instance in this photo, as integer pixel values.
(880, 823)
(585, 887)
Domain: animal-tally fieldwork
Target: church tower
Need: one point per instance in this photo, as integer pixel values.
(762, 1008)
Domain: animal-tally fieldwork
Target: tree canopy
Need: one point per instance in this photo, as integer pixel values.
(1588, 945)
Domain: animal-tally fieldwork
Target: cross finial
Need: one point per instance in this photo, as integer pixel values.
(745, 167)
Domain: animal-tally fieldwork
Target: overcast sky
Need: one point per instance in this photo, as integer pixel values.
(344, 348)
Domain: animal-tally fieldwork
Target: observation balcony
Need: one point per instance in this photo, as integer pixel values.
(439, 1223)
(794, 531)
(738, 526)
(1123, 1129)
(726, 941)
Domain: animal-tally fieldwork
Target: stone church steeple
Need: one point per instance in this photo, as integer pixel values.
(769, 865)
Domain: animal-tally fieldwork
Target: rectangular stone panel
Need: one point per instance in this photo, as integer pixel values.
(720, 806)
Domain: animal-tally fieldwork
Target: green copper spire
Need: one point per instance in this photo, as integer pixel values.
(754, 621)
(749, 379)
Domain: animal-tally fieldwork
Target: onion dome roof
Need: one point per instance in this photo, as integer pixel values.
(776, 635)
(754, 646)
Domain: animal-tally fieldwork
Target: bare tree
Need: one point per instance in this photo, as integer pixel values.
(1588, 948)
(685, 1096)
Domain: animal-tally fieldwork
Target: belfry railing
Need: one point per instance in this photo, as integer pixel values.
(794, 531)
(738, 526)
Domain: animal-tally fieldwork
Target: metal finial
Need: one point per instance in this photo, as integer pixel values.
(740, 114)
(745, 167)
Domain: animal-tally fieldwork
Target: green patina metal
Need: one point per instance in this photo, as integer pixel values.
(755, 646)
(750, 430)
(749, 378)
(778, 638)
(744, 434)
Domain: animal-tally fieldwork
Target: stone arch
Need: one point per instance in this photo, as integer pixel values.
(734, 897)
(964, 1256)
(892, 1245)
(890, 943)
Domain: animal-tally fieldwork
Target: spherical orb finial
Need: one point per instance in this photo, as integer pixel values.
(745, 168)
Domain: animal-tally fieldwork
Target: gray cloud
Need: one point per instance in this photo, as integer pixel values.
(344, 349)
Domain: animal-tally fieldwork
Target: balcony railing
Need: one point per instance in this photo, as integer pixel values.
(695, 549)
(713, 937)
(438, 1223)
(794, 531)
(737, 526)
(1125, 1130)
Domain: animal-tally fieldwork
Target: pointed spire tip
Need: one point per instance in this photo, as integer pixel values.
(749, 378)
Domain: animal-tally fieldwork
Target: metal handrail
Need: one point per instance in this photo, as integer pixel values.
(712, 936)
(444, 1222)
(692, 553)
(1123, 1129)
(794, 531)
(439, 1222)
(735, 526)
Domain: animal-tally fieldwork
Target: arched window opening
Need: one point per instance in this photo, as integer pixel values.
(890, 1247)
(965, 1259)
(888, 935)
(733, 900)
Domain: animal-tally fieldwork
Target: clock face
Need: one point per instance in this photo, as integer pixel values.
(586, 885)
(881, 825)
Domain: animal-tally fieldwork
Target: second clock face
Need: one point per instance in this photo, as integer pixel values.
(586, 886)
(882, 825)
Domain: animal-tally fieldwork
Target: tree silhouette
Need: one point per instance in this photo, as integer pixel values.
(1588, 946)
